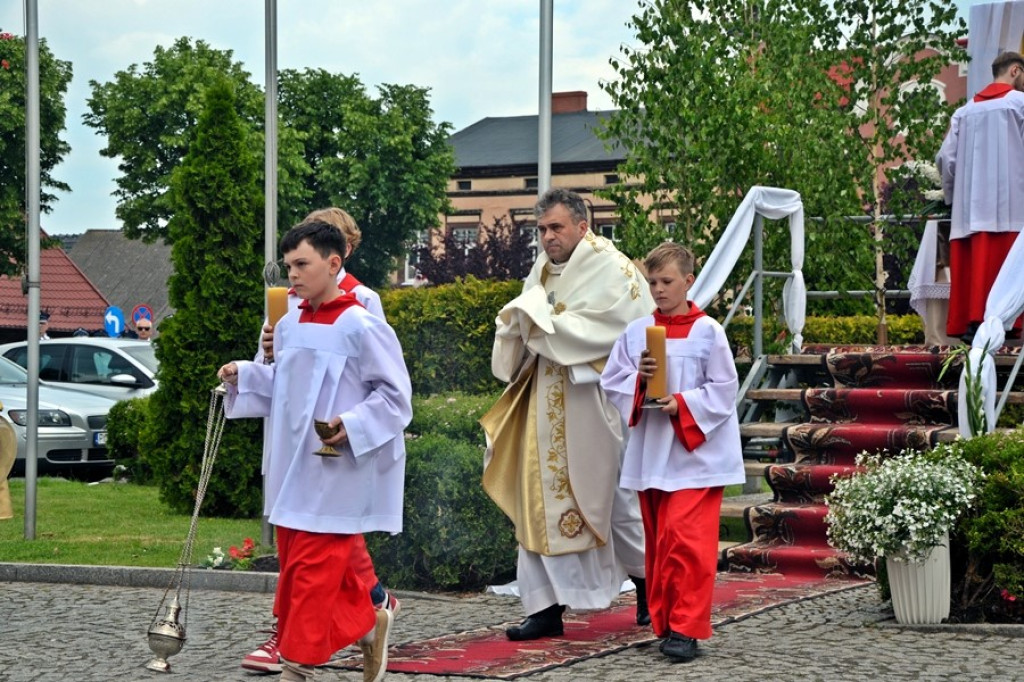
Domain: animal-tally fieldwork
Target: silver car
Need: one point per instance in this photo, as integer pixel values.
(72, 424)
(115, 368)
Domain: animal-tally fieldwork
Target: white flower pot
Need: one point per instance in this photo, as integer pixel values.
(920, 590)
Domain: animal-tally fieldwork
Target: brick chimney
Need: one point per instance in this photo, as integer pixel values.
(568, 102)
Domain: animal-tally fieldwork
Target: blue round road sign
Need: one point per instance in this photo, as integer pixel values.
(113, 321)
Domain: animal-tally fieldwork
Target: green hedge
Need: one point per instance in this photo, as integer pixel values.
(447, 332)
(125, 423)
(856, 329)
(988, 546)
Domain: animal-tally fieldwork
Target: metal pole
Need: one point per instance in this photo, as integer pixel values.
(758, 285)
(32, 191)
(547, 12)
(270, 181)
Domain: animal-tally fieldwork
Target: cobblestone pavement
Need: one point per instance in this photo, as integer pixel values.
(88, 633)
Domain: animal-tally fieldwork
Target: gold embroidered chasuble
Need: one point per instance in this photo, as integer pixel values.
(554, 439)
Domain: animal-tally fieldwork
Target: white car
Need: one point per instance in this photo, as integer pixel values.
(72, 424)
(115, 368)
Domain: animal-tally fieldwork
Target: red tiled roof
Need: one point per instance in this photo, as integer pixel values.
(65, 293)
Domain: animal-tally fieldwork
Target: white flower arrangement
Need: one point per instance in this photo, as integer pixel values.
(900, 507)
(928, 179)
(215, 560)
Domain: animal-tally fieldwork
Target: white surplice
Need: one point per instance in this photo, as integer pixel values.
(701, 369)
(981, 162)
(354, 369)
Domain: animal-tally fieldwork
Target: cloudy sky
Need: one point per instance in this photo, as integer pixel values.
(478, 57)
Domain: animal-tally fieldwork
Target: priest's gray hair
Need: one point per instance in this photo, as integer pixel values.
(557, 195)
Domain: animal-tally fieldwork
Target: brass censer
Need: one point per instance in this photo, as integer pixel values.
(166, 635)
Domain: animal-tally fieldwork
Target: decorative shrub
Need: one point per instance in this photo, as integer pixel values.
(125, 422)
(454, 537)
(988, 548)
(852, 330)
(447, 332)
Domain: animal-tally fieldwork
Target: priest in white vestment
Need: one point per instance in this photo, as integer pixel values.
(555, 441)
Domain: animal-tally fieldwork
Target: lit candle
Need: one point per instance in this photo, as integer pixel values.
(657, 385)
(277, 304)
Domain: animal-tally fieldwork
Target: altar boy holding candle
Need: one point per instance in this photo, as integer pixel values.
(336, 362)
(682, 452)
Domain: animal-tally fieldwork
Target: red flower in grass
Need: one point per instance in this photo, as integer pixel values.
(5, 64)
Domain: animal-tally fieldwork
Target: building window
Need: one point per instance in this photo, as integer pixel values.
(466, 237)
(412, 258)
(607, 231)
(670, 227)
(611, 179)
(464, 185)
(531, 183)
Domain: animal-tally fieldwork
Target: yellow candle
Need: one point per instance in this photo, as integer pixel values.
(657, 385)
(277, 304)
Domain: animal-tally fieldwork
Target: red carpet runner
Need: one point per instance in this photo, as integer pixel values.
(881, 398)
(487, 653)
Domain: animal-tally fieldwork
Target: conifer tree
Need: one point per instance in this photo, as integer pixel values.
(216, 290)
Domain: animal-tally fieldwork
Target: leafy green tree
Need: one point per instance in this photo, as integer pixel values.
(149, 114)
(216, 203)
(723, 96)
(54, 77)
(726, 95)
(383, 159)
(890, 53)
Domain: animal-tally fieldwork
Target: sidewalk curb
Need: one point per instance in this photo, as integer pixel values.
(127, 576)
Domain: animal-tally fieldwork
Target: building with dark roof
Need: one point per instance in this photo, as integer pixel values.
(129, 272)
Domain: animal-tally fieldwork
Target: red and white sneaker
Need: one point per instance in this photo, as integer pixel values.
(390, 603)
(267, 658)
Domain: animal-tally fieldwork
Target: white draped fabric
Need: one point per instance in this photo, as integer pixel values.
(922, 282)
(1005, 303)
(992, 28)
(773, 203)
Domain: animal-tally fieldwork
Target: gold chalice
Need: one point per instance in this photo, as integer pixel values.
(325, 430)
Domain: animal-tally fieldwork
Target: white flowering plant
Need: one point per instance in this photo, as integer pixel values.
(900, 507)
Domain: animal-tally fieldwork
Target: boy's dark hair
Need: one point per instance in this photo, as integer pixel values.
(670, 252)
(325, 238)
(1004, 61)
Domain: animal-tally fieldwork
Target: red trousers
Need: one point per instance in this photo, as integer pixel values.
(974, 262)
(362, 564)
(681, 535)
(321, 603)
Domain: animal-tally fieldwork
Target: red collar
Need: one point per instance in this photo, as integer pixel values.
(329, 311)
(678, 326)
(993, 91)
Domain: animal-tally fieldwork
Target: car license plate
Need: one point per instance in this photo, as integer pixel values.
(99, 438)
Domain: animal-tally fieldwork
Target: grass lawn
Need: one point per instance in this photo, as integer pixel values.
(109, 524)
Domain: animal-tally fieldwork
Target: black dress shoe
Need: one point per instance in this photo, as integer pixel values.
(679, 648)
(546, 623)
(643, 615)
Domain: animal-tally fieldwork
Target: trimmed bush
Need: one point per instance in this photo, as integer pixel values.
(454, 537)
(853, 330)
(988, 547)
(447, 332)
(125, 423)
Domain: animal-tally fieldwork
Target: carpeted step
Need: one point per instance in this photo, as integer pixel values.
(880, 406)
(804, 483)
(841, 443)
(793, 561)
(891, 368)
(783, 523)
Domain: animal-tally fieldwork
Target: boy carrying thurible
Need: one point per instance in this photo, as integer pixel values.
(335, 362)
(681, 453)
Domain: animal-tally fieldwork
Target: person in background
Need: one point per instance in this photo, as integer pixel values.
(981, 163)
(44, 326)
(144, 329)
